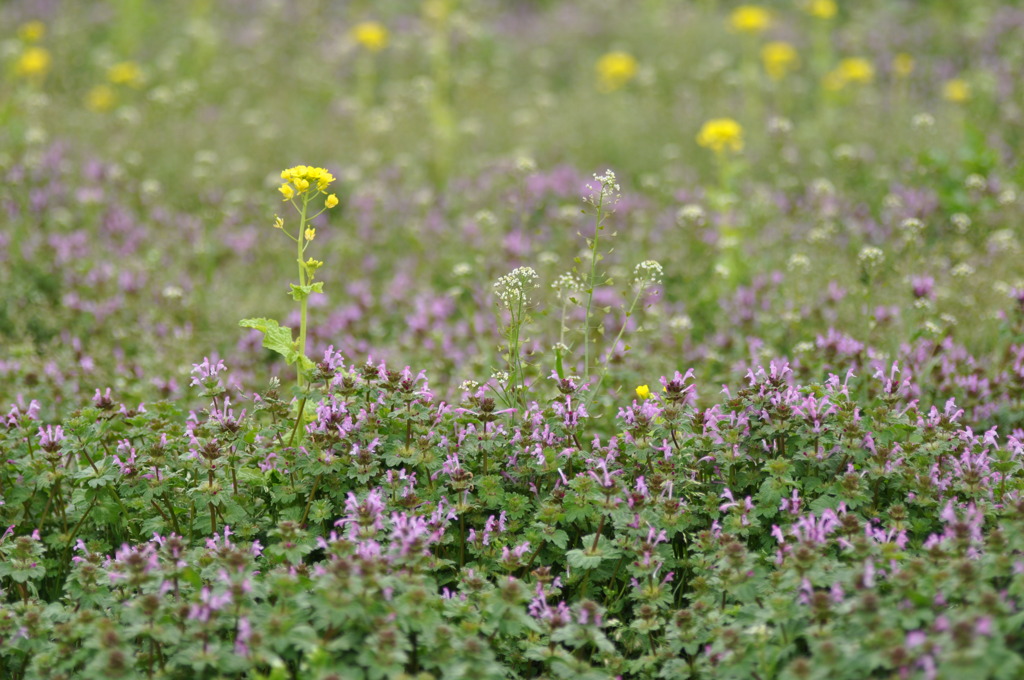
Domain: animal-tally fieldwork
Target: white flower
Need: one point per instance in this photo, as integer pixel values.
(514, 288)
(648, 273)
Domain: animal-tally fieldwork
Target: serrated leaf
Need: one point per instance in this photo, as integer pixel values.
(579, 559)
(276, 338)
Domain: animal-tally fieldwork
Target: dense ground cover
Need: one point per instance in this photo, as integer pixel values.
(748, 406)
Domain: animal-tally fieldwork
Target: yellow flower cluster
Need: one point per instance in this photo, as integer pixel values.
(101, 98)
(902, 65)
(614, 70)
(956, 90)
(32, 31)
(720, 135)
(855, 70)
(125, 73)
(34, 62)
(750, 19)
(370, 35)
(779, 59)
(299, 179)
(822, 9)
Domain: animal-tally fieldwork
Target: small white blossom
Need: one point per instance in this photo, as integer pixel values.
(961, 222)
(680, 323)
(609, 190)
(870, 257)
(648, 273)
(514, 288)
(691, 215)
(975, 182)
(923, 121)
(798, 262)
(962, 270)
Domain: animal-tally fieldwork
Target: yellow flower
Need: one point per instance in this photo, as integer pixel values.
(614, 70)
(301, 177)
(643, 391)
(34, 62)
(822, 9)
(851, 70)
(125, 73)
(956, 90)
(720, 135)
(278, 222)
(32, 31)
(371, 35)
(310, 233)
(750, 19)
(331, 201)
(902, 65)
(100, 99)
(779, 59)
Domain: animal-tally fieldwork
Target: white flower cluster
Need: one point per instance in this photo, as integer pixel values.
(566, 284)
(648, 273)
(514, 288)
(691, 215)
(609, 193)
(870, 257)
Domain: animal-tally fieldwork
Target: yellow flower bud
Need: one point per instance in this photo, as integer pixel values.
(331, 201)
(278, 222)
(310, 233)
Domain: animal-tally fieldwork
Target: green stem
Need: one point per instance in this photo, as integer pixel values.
(590, 286)
(604, 369)
(300, 246)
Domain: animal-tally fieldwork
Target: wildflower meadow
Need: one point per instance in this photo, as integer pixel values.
(480, 339)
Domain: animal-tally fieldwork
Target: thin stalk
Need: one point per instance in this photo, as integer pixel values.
(312, 495)
(604, 370)
(599, 217)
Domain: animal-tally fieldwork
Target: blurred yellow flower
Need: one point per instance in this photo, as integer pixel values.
(371, 35)
(310, 233)
(720, 135)
(850, 70)
(614, 70)
(902, 65)
(822, 9)
(278, 222)
(750, 19)
(125, 73)
(643, 391)
(32, 31)
(779, 59)
(331, 201)
(956, 90)
(100, 99)
(34, 62)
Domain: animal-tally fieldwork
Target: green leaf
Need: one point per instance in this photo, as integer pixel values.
(277, 338)
(300, 293)
(579, 559)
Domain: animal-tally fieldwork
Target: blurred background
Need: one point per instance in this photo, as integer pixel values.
(834, 184)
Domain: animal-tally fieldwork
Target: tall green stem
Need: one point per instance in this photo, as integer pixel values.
(590, 287)
(615, 343)
(301, 241)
